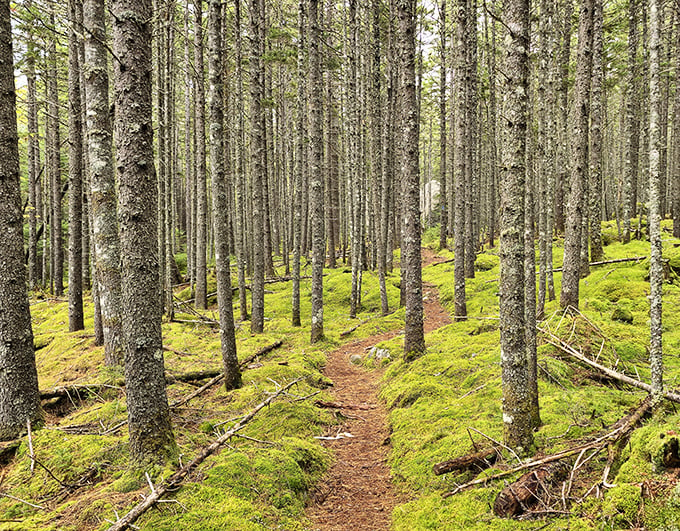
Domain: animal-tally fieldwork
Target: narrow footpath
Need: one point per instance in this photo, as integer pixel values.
(357, 494)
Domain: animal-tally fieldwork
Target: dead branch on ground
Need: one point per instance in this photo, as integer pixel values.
(176, 480)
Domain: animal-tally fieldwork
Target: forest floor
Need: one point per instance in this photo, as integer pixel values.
(357, 492)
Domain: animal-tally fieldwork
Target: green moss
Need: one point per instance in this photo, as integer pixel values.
(623, 315)
(621, 507)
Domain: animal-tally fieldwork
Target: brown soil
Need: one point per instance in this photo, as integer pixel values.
(358, 493)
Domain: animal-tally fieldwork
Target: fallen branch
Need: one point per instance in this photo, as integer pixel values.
(192, 376)
(568, 349)
(619, 429)
(615, 261)
(340, 405)
(178, 352)
(479, 460)
(80, 391)
(220, 376)
(174, 481)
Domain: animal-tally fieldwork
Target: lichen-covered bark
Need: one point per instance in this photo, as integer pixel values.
(75, 176)
(33, 166)
(316, 193)
(597, 106)
(459, 129)
(573, 236)
(241, 222)
(200, 175)
(299, 168)
(443, 209)
(655, 263)
(631, 132)
(102, 182)
(19, 396)
(151, 435)
(411, 274)
(354, 161)
(220, 197)
(53, 167)
(257, 165)
(675, 135)
(517, 419)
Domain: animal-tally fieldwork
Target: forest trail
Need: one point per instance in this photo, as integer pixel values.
(358, 493)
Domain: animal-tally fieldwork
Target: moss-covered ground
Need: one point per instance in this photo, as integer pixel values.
(439, 400)
(81, 478)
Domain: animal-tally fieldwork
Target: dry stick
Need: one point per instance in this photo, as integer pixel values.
(220, 376)
(178, 477)
(616, 261)
(20, 500)
(619, 430)
(568, 349)
(30, 446)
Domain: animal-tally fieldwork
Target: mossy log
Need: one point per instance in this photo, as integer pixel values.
(193, 376)
(476, 461)
(529, 489)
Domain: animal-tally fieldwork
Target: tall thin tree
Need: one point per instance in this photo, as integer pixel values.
(517, 418)
(151, 436)
(411, 273)
(102, 182)
(19, 396)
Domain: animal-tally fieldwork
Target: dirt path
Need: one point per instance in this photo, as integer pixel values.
(358, 494)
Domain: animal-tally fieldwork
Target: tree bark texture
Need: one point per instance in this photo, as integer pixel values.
(75, 174)
(655, 263)
(257, 165)
(151, 436)
(316, 178)
(517, 419)
(411, 274)
(200, 175)
(102, 182)
(573, 235)
(19, 395)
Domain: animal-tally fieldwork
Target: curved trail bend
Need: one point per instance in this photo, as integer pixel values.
(357, 493)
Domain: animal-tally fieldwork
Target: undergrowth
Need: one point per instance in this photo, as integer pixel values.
(445, 404)
(79, 479)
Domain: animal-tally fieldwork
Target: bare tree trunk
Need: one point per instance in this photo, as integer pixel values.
(354, 161)
(597, 106)
(19, 395)
(632, 133)
(201, 231)
(573, 236)
(220, 198)
(676, 130)
(75, 134)
(414, 339)
(460, 130)
(300, 165)
(102, 182)
(655, 263)
(258, 170)
(151, 435)
(54, 166)
(443, 209)
(316, 178)
(33, 167)
(517, 418)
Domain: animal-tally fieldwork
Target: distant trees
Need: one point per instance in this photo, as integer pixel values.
(326, 127)
(19, 397)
